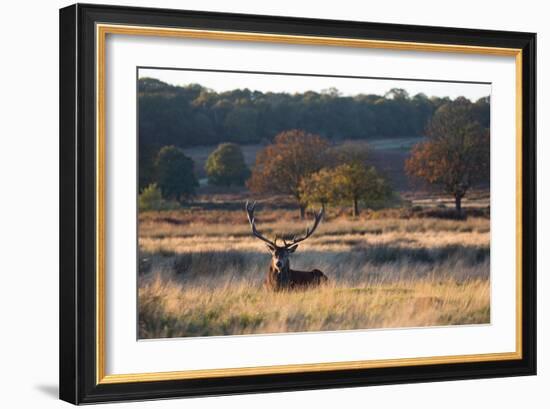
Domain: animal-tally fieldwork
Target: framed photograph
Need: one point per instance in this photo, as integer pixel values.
(257, 203)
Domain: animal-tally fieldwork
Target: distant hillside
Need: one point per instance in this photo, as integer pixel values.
(196, 116)
(387, 155)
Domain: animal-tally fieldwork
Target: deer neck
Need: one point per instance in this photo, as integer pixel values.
(285, 273)
(282, 277)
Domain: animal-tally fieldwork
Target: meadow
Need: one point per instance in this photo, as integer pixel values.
(201, 271)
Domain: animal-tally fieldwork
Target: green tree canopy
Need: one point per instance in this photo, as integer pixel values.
(355, 182)
(193, 115)
(175, 176)
(318, 188)
(225, 166)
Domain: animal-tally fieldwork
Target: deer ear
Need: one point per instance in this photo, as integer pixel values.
(270, 248)
(293, 248)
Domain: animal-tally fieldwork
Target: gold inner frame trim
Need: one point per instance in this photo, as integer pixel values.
(101, 33)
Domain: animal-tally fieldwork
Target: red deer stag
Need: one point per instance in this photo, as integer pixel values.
(280, 276)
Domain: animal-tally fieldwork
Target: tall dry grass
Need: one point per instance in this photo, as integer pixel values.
(201, 274)
(169, 308)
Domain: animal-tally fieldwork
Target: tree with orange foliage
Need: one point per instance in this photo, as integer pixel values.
(281, 166)
(456, 154)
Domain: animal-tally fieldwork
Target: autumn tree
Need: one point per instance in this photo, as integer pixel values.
(225, 166)
(281, 166)
(456, 154)
(355, 182)
(175, 176)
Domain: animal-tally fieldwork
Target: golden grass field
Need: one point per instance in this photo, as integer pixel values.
(201, 272)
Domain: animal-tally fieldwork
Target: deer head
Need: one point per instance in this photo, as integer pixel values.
(280, 254)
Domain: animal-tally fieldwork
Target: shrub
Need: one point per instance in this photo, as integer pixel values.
(151, 198)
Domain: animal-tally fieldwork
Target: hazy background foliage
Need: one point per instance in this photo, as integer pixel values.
(191, 115)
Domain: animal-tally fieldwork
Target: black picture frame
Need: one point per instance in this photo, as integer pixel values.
(78, 313)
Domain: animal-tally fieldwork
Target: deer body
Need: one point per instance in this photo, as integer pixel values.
(280, 276)
(293, 279)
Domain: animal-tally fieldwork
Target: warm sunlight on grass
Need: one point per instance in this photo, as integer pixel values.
(201, 274)
(172, 309)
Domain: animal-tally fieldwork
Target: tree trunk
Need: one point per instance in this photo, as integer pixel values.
(302, 211)
(458, 205)
(355, 207)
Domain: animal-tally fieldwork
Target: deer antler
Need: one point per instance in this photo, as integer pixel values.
(309, 232)
(252, 221)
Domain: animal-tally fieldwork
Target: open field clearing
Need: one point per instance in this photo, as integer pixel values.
(201, 273)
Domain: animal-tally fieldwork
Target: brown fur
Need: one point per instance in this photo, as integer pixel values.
(289, 279)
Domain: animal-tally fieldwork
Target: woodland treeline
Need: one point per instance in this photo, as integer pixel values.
(193, 115)
(305, 162)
